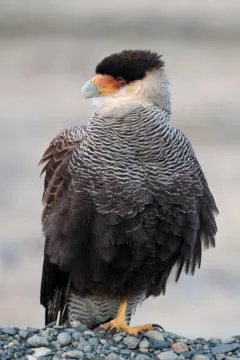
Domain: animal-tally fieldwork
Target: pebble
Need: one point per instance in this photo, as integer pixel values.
(228, 340)
(87, 348)
(74, 354)
(220, 356)
(8, 330)
(200, 357)
(93, 341)
(64, 338)
(144, 344)
(82, 343)
(89, 333)
(117, 338)
(179, 347)
(167, 355)
(56, 345)
(169, 340)
(131, 342)
(23, 334)
(37, 340)
(225, 348)
(171, 335)
(75, 344)
(214, 341)
(154, 334)
(112, 357)
(158, 344)
(77, 335)
(39, 352)
(142, 357)
(125, 352)
(115, 349)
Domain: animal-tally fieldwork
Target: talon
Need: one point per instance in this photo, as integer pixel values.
(112, 331)
(119, 324)
(158, 327)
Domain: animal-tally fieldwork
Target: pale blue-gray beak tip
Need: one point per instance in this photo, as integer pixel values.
(89, 90)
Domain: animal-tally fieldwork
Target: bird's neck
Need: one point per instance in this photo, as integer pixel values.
(136, 125)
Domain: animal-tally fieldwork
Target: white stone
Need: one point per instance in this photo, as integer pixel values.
(154, 334)
(38, 352)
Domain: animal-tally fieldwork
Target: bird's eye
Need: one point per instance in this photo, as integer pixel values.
(119, 80)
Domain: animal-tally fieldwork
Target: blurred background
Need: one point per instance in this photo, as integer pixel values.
(48, 49)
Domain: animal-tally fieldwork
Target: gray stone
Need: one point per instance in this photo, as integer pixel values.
(214, 341)
(117, 338)
(167, 355)
(228, 340)
(17, 337)
(87, 348)
(74, 354)
(93, 341)
(230, 358)
(56, 345)
(112, 357)
(144, 344)
(158, 344)
(224, 348)
(64, 338)
(220, 356)
(171, 335)
(200, 357)
(171, 341)
(8, 330)
(125, 352)
(37, 340)
(15, 342)
(143, 350)
(205, 347)
(45, 333)
(23, 334)
(75, 344)
(142, 357)
(77, 335)
(154, 334)
(115, 349)
(131, 342)
(89, 333)
(82, 344)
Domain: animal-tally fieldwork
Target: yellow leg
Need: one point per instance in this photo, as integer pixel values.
(120, 322)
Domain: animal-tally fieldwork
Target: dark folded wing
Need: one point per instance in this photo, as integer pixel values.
(55, 282)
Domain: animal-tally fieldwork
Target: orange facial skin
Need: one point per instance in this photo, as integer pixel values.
(107, 84)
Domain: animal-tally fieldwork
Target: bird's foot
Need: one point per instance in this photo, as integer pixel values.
(117, 325)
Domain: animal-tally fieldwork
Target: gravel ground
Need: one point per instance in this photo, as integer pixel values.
(80, 343)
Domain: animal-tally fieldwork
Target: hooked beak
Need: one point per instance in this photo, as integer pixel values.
(90, 90)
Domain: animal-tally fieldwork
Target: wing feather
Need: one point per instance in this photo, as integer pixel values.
(55, 159)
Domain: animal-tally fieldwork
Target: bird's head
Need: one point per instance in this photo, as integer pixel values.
(130, 76)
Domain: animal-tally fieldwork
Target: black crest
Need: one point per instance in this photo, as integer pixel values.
(130, 64)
